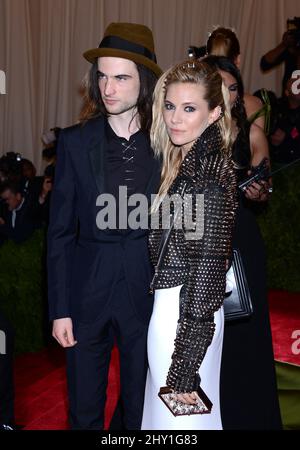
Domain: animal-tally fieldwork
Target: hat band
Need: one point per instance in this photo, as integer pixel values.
(122, 44)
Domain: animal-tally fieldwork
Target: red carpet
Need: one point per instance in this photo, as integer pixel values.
(41, 385)
(41, 391)
(285, 320)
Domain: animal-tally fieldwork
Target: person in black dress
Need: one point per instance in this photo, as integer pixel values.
(248, 383)
(223, 41)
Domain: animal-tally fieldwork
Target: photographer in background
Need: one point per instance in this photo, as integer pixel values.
(37, 188)
(19, 171)
(50, 140)
(11, 167)
(288, 51)
(45, 194)
(21, 217)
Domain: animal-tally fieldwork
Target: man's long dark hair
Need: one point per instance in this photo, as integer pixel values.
(94, 106)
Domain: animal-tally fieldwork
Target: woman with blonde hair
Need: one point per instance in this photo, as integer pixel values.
(191, 133)
(223, 41)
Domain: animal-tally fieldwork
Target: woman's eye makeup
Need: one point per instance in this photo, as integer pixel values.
(170, 106)
(233, 87)
(189, 109)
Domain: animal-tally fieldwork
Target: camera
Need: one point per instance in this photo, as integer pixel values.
(10, 166)
(196, 52)
(293, 26)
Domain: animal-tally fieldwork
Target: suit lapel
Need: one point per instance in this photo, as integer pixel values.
(94, 135)
(95, 139)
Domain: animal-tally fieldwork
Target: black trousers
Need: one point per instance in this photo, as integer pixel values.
(88, 362)
(6, 372)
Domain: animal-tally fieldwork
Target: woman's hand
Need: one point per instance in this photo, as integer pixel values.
(189, 399)
(258, 192)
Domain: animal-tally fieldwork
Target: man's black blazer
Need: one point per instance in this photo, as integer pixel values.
(82, 260)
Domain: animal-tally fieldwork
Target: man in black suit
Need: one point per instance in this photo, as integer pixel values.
(99, 277)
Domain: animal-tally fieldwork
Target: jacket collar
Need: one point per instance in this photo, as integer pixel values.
(209, 141)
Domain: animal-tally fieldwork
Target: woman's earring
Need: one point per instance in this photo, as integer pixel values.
(237, 102)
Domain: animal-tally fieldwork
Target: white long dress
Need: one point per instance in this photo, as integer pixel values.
(161, 336)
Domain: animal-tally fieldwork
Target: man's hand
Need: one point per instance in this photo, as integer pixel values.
(2, 221)
(63, 332)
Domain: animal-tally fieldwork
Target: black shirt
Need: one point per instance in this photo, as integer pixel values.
(129, 163)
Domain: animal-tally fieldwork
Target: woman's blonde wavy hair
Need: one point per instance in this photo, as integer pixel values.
(216, 94)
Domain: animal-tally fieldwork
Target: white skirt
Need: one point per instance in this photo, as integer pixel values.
(161, 336)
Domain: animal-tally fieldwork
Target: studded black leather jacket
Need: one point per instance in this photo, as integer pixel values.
(197, 258)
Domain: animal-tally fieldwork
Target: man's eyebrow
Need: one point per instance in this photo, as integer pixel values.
(115, 76)
(123, 75)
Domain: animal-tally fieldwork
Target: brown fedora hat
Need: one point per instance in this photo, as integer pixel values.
(127, 40)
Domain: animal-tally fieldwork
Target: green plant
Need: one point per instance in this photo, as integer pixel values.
(279, 224)
(22, 293)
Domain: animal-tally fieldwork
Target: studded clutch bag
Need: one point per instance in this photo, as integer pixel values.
(177, 408)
